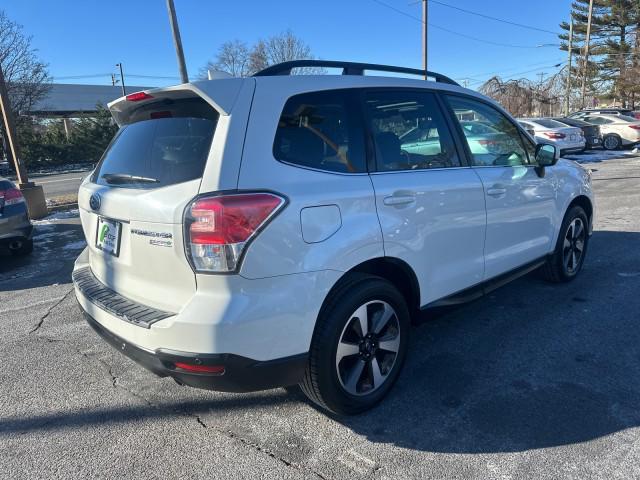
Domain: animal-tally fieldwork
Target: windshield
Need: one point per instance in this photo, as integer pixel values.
(168, 143)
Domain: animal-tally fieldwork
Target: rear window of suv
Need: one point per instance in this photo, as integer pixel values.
(320, 130)
(167, 142)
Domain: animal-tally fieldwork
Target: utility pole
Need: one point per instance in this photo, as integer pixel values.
(33, 194)
(570, 49)
(177, 41)
(124, 91)
(542, 74)
(10, 133)
(586, 54)
(540, 94)
(425, 20)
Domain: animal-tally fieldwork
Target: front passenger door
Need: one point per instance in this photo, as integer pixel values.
(520, 204)
(430, 205)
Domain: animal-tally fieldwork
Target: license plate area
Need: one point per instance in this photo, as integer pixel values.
(108, 234)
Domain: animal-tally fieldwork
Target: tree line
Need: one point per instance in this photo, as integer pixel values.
(610, 73)
(612, 69)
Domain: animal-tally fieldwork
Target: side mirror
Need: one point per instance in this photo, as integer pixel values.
(546, 155)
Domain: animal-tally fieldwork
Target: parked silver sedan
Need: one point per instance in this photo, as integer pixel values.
(16, 229)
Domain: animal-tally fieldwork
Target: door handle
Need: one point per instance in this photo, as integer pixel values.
(496, 191)
(397, 200)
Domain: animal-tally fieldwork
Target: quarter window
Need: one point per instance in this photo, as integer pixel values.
(500, 145)
(321, 130)
(409, 131)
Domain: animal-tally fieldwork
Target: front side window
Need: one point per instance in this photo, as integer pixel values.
(321, 130)
(409, 131)
(502, 146)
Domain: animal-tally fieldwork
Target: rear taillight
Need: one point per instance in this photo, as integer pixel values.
(219, 228)
(12, 196)
(635, 127)
(138, 96)
(554, 135)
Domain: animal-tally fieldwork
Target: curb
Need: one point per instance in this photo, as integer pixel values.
(63, 206)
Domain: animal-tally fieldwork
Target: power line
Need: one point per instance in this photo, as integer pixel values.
(97, 75)
(502, 72)
(513, 75)
(453, 32)
(530, 27)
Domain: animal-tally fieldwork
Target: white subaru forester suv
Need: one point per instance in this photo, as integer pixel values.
(251, 233)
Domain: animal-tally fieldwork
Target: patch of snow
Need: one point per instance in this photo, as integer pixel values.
(54, 217)
(596, 156)
(631, 274)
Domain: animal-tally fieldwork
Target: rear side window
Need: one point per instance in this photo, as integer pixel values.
(167, 143)
(409, 131)
(321, 130)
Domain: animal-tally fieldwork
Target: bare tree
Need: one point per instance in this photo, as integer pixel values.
(27, 77)
(232, 58)
(524, 98)
(237, 59)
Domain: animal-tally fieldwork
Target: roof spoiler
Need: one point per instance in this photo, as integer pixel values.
(220, 94)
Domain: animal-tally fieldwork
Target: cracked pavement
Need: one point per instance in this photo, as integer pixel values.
(534, 381)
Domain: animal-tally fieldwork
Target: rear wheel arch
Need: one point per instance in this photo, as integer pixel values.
(395, 270)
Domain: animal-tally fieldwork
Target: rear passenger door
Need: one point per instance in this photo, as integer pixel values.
(520, 203)
(430, 205)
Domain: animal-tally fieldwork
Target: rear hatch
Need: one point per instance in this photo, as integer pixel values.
(132, 205)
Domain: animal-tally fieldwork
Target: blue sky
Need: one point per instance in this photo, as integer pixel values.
(89, 37)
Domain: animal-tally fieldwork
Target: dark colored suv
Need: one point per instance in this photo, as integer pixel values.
(591, 132)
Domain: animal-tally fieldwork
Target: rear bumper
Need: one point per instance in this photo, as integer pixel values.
(15, 227)
(258, 329)
(241, 374)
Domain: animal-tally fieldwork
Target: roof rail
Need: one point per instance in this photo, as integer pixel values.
(348, 68)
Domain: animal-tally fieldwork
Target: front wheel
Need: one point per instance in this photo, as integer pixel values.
(358, 347)
(571, 248)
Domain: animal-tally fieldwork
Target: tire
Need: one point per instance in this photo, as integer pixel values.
(563, 266)
(25, 249)
(611, 142)
(344, 382)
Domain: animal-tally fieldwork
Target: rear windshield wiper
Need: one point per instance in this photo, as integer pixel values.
(126, 178)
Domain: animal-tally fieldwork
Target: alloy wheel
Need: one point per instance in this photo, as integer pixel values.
(368, 348)
(573, 246)
(611, 143)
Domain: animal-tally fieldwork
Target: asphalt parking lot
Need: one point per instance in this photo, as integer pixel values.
(534, 381)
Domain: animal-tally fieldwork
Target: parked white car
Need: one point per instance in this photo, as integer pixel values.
(275, 230)
(616, 130)
(546, 130)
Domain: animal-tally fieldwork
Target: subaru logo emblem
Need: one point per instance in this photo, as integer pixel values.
(94, 202)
